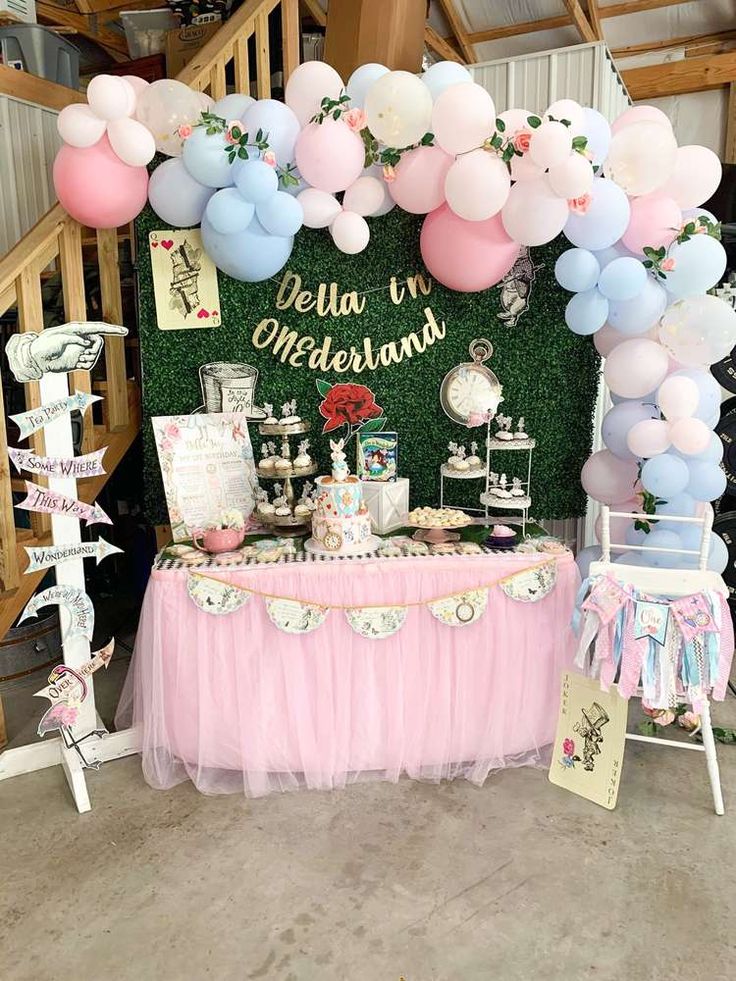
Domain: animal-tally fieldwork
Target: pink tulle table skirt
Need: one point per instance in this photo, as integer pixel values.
(236, 704)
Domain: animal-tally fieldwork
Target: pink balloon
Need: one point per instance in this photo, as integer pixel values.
(533, 214)
(695, 178)
(648, 438)
(477, 185)
(608, 479)
(640, 114)
(96, 187)
(690, 436)
(636, 367)
(463, 117)
(466, 255)
(329, 155)
(618, 526)
(655, 221)
(607, 338)
(522, 169)
(678, 398)
(419, 182)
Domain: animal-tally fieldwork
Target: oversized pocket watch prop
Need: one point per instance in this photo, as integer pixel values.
(471, 388)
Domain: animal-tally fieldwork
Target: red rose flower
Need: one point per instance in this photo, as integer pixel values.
(351, 404)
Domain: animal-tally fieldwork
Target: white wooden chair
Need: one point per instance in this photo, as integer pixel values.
(669, 582)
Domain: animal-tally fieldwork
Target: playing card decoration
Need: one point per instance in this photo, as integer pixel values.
(184, 281)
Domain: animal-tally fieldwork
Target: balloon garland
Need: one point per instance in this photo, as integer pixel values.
(643, 253)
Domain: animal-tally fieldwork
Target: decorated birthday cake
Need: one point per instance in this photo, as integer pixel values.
(341, 522)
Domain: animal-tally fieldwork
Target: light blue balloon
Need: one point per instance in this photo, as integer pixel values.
(692, 214)
(662, 538)
(598, 131)
(623, 279)
(707, 480)
(175, 196)
(699, 266)
(586, 312)
(649, 399)
(365, 75)
(664, 475)
(577, 270)
(228, 212)
(250, 256)
(718, 557)
(585, 556)
(710, 393)
(607, 256)
(279, 127)
(681, 505)
(233, 106)
(281, 214)
(635, 536)
(206, 160)
(618, 421)
(604, 222)
(713, 452)
(630, 558)
(637, 316)
(256, 181)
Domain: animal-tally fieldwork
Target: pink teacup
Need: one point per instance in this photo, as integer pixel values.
(215, 540)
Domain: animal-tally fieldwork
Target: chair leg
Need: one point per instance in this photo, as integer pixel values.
(709, 745)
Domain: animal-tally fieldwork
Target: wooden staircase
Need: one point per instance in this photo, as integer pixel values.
(59, 246)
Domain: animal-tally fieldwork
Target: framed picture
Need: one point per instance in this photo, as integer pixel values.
(207, 467)
(378, 456)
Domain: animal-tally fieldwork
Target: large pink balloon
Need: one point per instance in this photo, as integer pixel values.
(636, 367)
(466, 255)
(655, 221)
(329, 155)
(640, 114)
(607, 338)
(695, 178)
(96, 187)
(419, 181)
(608, 479)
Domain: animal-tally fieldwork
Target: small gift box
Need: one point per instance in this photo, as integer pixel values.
(387, 503)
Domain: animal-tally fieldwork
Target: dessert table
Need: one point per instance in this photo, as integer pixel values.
(318, 672)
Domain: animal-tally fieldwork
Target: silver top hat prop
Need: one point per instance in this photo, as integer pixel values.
(230, 387)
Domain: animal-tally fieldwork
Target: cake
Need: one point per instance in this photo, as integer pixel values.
(341, 523)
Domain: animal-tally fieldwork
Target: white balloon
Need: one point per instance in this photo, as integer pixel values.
(695, 177)
(641, 157)
(308, 84)
(571, 111)
(361, 80)
(533, 213)
(79, 126)
(477, 185)
(572, 178)
(320, 208)
(131, 141)
(110, 96)
(463, 117)
(376, 170)
(443, 74)
(550, 145)
(365, 196)
(350, 232)
(699, 330)
(165, 106)
(598, 133)
(399, 109)
(522, 169)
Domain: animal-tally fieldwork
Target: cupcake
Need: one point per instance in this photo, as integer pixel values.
(265, 508)
(282, 465)
(283, 512)
(266, 465)
(474, 462)
(461, 465)
(301, 511)
(303, 460)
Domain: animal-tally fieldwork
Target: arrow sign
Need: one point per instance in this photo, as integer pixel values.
(62, 681)
(35, 419)
(76, 602)
(46, 501)
(44, 556)
(78, 467)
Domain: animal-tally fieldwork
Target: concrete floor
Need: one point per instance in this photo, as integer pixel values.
(518, 880)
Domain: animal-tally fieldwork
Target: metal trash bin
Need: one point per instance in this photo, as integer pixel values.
(40, 52)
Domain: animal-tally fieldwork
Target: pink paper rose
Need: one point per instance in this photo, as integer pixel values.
(389, 174)
(568, 747)
(185, 131)
(689, 721)
(232, 127)
(664, 718)
(668, 265)
(580, 205)
(355, 119)
(522, 140)
(269, 157)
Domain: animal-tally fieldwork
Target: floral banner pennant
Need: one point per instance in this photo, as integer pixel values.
(35, 419)
(46, 501)
(294, 617)
(461, 609)
(74, 600)
(376, 622)
(78, 467)
(215, 596)
(532, 584)
(44, 556)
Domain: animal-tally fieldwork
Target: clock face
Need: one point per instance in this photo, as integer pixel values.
(469, 388)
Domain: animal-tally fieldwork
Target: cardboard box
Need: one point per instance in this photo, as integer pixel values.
(183, 43)
(387, 503)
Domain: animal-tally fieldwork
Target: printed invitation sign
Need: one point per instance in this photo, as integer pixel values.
(207, 467)
(589, 746)
(184, 281)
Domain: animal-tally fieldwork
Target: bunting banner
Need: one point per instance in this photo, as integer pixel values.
(44, 556)
(74, 600)
(46, 501)
(35, 419)
(78, 467)
(296, 616)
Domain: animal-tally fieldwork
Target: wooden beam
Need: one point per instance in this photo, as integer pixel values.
(290, 36)
(594, 16)
(729, 155)
(580, 20)
(37, 91)
(440, 46)
(564, 20)
(673, 42)
(318, 15)
(390, 32)
(680, 77)
(112, 313)
(9, 573)
(458, 29)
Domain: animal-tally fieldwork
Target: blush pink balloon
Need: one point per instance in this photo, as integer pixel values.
(655, 221)
(96, 187)
(466, 255)
(607, 338)
(678, 397)
(618, 526)
(636, 367)
(329, 155)
(648, 438)
(696, 176)
(690, 436)
(419, 182)
(608, 479)
(640, 114)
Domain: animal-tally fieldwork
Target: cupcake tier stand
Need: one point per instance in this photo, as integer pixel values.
(286, 524)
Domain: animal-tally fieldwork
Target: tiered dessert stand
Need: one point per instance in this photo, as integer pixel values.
(287, 524)
(490, 500)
